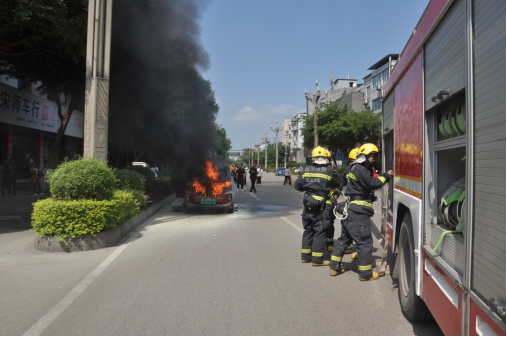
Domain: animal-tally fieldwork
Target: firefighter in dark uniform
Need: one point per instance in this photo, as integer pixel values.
(316, 180)
(356, 227)
(330, 205)
(328, 219)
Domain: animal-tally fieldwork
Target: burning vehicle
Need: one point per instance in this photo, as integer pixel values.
(209, 192)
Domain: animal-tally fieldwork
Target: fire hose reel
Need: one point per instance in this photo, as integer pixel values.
(452, 121)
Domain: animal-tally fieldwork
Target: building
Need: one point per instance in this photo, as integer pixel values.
(374, 82)
(29, 123)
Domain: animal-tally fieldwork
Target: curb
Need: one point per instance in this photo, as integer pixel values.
(101, 240)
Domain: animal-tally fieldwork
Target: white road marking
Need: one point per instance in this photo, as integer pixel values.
(253, 195)
(298, 228)
(67, 300)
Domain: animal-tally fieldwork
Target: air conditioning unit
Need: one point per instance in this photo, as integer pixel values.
(366, 101)
(378, 87)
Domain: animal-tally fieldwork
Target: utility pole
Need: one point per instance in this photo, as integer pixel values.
(265, 140)
(276, 130)
(316, 98)
(98, 52)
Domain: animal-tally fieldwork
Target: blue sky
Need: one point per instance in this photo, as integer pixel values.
(265, 53)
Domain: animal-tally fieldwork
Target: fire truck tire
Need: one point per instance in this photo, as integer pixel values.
(412, 306)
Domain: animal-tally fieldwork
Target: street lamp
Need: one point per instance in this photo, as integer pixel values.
(316, 98)
(265, 140)
(276, 130)
(258, 148)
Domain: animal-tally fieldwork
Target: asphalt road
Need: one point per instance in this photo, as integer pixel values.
(179, 274)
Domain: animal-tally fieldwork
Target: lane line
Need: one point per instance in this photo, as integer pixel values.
(67, 300)
(251, 193)
(298, 228)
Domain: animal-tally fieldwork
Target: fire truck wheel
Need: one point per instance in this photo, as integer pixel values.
(412, 306)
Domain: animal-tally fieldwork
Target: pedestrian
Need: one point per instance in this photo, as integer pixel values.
(259, 175)
(154, 169)
(253, 177)
(14, 176)
(316, 180)
(240, 177)
(233, 174)
(287, 176)
(35, 174)
(356, 227)
(6, 176)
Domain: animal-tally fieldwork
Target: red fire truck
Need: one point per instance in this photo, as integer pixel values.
(443, 214)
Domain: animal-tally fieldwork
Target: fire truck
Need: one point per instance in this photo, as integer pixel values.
(443, 213)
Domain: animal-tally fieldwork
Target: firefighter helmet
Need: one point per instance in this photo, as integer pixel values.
(320, 155)
(353, 153)
(367, 149)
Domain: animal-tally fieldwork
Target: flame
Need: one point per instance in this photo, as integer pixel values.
(217, 187)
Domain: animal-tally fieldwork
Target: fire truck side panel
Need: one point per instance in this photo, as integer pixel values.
(488, 255)
(444, 55)
(388, 164)
(481, 323)
(408, 116)
(442, 297)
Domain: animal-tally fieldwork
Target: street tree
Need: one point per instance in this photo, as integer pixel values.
(45, 42)
(341, 128)
(222, 143)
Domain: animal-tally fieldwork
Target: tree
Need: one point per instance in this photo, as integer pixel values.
(222, 143)
(45, 41)
(341, 128)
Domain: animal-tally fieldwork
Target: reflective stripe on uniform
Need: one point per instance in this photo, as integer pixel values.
(329, 202)
(368, 267)
(362, 203)
(352, 175)
(336, 258)
(316, 175)
(317, 254)
(382, 179)
(329, 240)
(306, 251)
(316, 197)
(351, 245)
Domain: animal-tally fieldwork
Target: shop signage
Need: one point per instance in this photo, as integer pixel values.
(21, 108)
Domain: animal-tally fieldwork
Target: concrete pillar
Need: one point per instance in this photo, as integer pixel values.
(98, 53)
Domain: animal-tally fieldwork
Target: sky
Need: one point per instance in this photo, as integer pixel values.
(264, 53)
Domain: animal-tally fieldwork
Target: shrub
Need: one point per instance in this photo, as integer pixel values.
(139, 197)
(147, 174)
(130, 180)
(83, 178)
(70, 218)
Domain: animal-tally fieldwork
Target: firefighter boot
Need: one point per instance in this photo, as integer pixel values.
(336, 272)
(354, 255)
(324, 263)
(306, 261)
(372, 278)
(329, 248)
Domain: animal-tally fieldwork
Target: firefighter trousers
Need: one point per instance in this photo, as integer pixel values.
(314, 236)
(329, 230)
(356, 227)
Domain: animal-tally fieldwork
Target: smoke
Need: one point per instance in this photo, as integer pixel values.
(159, 103)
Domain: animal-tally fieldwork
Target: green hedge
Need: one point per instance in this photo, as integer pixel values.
(147, 174)
(83, 178)
(70, 218)
(130, 180)
(341, 170)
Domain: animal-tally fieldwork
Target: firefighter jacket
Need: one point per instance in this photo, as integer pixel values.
(328, 210)
(317, 181)
(360, 186)
(345, 175)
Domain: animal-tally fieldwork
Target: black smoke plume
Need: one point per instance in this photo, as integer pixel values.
(159, 103)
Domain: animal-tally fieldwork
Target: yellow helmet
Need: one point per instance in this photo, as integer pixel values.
(367, 149)
(353, 153)
(320, 152)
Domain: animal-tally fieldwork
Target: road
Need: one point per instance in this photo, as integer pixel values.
(180, 274)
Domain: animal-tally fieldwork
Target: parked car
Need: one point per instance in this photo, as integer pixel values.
(280, 171)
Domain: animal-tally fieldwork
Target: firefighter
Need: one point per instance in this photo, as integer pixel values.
(352, 158)
(328, 219)
(316, 180)
(356, 227)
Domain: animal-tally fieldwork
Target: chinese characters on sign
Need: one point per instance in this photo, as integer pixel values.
(31, 111)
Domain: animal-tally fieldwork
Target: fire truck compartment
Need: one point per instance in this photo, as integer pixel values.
(451, 249)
